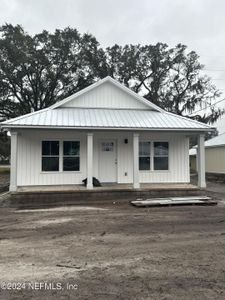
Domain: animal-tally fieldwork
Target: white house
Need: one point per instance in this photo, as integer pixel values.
(214, 155)
(105, 131)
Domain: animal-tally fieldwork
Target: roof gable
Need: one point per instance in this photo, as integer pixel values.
(106, 93)
(130, 112)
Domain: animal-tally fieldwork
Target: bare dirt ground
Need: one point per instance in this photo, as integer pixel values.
(114, 252)
(4, 180)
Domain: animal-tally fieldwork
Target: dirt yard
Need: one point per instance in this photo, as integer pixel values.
(113, 252)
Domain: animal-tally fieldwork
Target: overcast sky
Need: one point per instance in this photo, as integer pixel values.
(200, 24)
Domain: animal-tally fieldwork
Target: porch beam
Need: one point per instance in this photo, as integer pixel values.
(136, 183)
(13, 162)
(89, 160)
(201, 161)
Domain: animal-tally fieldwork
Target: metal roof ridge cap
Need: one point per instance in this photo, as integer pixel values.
(110, 108)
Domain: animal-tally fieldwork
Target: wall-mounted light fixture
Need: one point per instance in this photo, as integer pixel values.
(126, 141)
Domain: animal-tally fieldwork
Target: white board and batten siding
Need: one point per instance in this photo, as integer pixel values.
(106, 96)
(29, 157)
(178, 160)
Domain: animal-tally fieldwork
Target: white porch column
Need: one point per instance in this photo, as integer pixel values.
(201, 161)
(13, 162)
(89, 160)
(136, 183)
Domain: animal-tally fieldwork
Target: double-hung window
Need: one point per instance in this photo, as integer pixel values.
(144, 156)
(60, 156)
(153, 156)
(161, 155)
(71, 156)
(50, 156)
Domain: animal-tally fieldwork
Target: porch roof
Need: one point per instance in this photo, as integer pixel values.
(99, 118)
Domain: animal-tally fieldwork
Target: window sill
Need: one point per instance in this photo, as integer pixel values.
(59, 172)
(154, 171)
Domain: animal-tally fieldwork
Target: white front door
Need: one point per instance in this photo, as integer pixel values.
(107, 161)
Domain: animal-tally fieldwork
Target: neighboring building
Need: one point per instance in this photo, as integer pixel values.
(106, 131)
(193, 162)
(214, 155)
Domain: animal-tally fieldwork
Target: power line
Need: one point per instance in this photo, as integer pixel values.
(207, 107)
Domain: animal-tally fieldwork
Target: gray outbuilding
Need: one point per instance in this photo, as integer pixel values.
(214, 155)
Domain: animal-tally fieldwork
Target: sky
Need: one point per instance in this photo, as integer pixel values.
(199, 24)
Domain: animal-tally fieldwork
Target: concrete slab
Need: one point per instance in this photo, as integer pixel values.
(107, 187)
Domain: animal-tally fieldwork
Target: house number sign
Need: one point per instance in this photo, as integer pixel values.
(107, 146)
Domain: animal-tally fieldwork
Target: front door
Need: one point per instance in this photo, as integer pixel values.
(107, 161)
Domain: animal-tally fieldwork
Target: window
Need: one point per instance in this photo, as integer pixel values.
(161, 151)
(144, 155)
(50, 156)
(71, 156)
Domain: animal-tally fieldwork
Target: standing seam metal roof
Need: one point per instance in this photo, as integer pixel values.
(104, 118)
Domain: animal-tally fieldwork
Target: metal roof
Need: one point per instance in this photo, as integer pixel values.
(97, 118)
(216, 141)
(151, 118)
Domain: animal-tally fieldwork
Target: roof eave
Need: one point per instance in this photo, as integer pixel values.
(11, 126)
(215, 146)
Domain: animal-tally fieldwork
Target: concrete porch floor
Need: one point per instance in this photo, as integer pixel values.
(108, 188)
(46, 196)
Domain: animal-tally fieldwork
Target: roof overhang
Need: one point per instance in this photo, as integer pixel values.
(106, 119)
(196, 130)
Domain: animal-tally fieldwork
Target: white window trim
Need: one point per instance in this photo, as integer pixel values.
(60, 140)
(50, 140)
(146, 141)
(162, 156)
(152, 170)
(69, 155)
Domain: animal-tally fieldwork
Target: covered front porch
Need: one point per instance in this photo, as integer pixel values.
(136, 167)
(113, 157)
